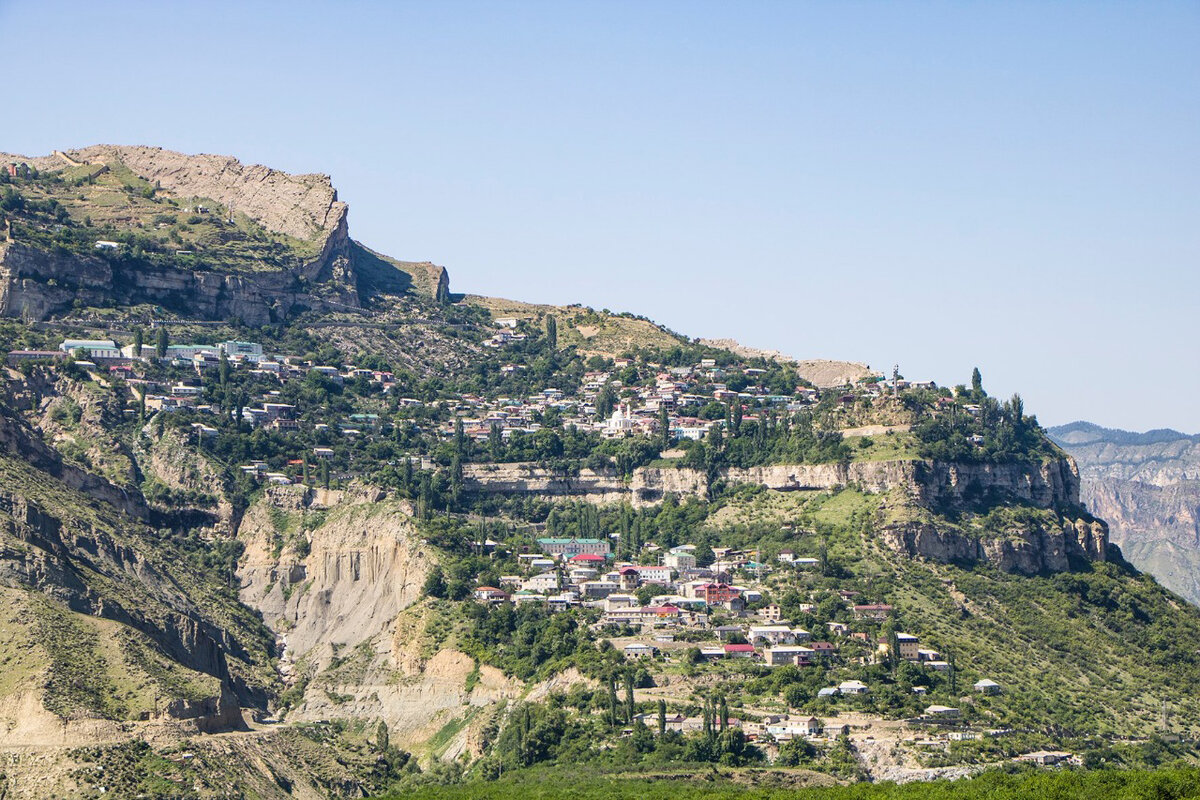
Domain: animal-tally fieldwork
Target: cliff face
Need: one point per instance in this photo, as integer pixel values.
(346, 607)
(1029, 549)
(1049, 485)
(945, 487)
(323, 274)
(301, 206)
(1147, 485)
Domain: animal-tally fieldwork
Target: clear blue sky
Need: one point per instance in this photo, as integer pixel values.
(943, 185)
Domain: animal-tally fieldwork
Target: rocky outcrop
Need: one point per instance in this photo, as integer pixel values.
(821, 372)
(336, 586)
(302, 206)
(36, 284)
(1027, 550)
(1051, 484)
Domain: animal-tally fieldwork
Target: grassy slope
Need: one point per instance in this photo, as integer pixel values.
(591, 331)
(1096, 651)
(97, 665)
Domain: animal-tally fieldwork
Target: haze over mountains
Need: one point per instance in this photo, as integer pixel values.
(1147, 486)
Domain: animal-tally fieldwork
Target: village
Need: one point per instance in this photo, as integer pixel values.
(666, 403)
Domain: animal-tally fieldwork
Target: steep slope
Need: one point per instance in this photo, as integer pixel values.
(199, 235)
(112, 620)
(1147, 486)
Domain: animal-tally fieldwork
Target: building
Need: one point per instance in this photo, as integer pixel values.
(876, 611)
(250, 351)
(639, 649)
(907, 644)
(566, 548)
(793, 654)
(715, 594)
(852, 687)
(987, 686)
(490, 594)
(91, 348)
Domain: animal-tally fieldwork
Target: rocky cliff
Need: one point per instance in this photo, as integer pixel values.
(1048, 485)
(326, 270)
(304, 207)
(1047, 544)
(339, 576)
(1147, 486)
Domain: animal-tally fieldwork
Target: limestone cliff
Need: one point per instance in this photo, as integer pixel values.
(930, 487)
(321, 269)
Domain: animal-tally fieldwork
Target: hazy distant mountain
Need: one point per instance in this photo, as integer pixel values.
(1147, 486)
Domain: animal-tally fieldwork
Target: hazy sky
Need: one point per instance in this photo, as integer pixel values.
(943, 185)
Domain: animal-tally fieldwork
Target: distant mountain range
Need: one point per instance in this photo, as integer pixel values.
(1147, 486)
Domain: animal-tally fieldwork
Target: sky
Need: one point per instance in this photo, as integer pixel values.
(1013, 186)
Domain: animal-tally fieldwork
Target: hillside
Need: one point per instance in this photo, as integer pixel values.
(1147, 485)
(283, 516)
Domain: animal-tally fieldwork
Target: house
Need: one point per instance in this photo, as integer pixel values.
(1044, 758)
(771, 634)
(794, 654)
(875, 611)
(740, 650)
(941, 712)
(586, 560)
(600, 589)
(679, 561)
(828, 691)
(784, 730)
(545, 582)
(627, 576)
(323, 452)
(490, 594)
(823, 649)
(771, 612)
(715, 594)
(655, 574)
(639, 649)
(987, 686)
(852, 687)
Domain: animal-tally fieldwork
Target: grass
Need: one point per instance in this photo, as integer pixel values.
(725, 784)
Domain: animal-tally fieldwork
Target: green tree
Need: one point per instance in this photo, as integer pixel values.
(161, 342)
(977, 382)
(662, 717)
(552, 332)
(139, 339)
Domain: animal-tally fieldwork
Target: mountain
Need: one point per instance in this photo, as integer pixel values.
(1147, 485)
(282, 516)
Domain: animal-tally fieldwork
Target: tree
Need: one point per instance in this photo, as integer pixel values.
(552, 332)
(435, 583)
(664, 427)
(629, 695)
(662, 717)
(976, 381)
(161, 342)
(139, 339)
(223, 369)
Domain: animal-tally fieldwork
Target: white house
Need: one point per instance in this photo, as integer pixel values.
(852, 687)
(546, 582)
